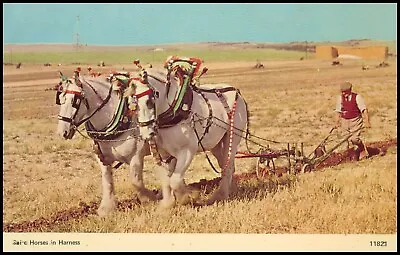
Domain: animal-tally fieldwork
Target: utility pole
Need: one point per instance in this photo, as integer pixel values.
(77, 32)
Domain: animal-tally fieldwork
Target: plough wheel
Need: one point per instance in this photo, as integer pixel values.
(263, 168)
(258, 167)
(306, 168)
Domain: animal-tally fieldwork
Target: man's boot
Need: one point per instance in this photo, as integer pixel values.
(364, 153)
(361, 153)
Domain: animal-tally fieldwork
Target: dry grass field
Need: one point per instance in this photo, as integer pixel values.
(289, 102)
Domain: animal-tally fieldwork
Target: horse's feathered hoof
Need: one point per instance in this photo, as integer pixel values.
(106, 209)
(167, 204)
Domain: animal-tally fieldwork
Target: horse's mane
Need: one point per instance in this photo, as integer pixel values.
(100, 84)
(158, 72)
(98, 79)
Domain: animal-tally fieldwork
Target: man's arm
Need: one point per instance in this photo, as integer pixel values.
(337, 119)
(365, 117)
(364, 111)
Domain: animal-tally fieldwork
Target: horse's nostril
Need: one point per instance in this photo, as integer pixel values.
(65, 134)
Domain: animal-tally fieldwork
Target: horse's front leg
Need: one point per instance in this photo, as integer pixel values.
(163, 172)
(136, 172)
(182, 193)
(108, 201)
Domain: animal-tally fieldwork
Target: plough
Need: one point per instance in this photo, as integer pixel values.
(297, 161)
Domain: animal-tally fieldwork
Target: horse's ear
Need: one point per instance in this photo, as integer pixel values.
(77, 81)
(62, 76)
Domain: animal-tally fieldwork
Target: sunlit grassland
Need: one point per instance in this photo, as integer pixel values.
(355, 199)
(126, 57)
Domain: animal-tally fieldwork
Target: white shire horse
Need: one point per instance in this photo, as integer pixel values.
(188, 120)
(93, 101)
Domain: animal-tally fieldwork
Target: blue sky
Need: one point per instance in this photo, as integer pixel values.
(155, 23)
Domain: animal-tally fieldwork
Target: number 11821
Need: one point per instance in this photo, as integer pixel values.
(378, 243)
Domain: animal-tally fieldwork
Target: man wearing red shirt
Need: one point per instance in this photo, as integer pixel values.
(352, 115)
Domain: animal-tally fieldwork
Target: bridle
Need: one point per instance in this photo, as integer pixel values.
(77, 100)
(150, 92)
(78, 96)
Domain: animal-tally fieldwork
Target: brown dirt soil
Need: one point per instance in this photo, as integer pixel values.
(84, 209)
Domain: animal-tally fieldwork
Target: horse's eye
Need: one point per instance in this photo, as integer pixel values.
(58, 93)
(150, 103)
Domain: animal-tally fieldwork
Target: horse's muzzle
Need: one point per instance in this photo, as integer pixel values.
(69, 134)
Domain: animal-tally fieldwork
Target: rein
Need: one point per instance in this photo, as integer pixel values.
(80, 96)
(105, 101)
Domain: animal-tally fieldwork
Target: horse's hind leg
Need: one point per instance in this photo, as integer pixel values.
(108, 202)
(221, 154)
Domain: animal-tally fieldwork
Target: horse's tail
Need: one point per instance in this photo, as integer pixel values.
(247, 124)
(247, 127)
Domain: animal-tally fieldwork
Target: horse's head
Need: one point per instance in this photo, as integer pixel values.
(119, 80)
(142, 102)
(69, 96)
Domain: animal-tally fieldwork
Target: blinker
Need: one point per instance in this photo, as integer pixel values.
(58, 93)
(77, 101)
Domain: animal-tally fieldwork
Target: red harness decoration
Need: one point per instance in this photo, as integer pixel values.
(95, 74)
(144, 93)
(73, 92)
(231, 120)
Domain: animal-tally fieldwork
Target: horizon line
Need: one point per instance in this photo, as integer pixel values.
(207, 42)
